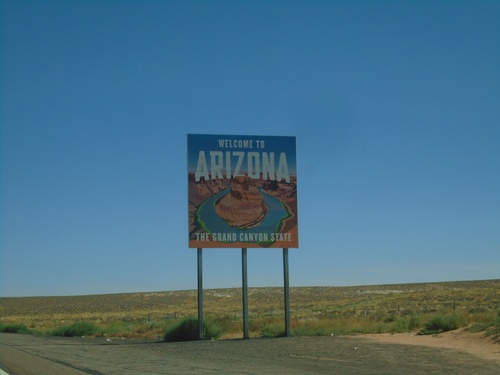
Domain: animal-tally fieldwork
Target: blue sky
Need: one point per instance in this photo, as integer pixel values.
(395, 106)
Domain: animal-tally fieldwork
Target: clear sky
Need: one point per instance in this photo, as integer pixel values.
(395, 106)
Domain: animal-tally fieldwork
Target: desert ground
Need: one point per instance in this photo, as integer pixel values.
(471, 297)
(474, 299)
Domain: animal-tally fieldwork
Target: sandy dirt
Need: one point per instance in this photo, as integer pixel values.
(476, 344)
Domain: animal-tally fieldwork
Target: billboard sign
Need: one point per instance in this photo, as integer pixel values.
(242, 191)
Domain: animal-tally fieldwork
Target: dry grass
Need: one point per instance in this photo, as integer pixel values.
(314, 310)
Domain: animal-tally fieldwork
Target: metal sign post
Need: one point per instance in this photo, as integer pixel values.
(247, 173)
(245, 292)
(287, 292)
(200, 294)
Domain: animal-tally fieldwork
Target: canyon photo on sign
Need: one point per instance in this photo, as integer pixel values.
(242, 191)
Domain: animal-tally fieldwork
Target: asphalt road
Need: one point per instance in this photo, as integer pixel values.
(27, 355)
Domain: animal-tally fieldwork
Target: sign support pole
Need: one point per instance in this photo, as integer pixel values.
(287, 292)
(245, 292)
(200, 294)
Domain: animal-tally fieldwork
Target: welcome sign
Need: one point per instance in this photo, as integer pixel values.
(242, 191)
